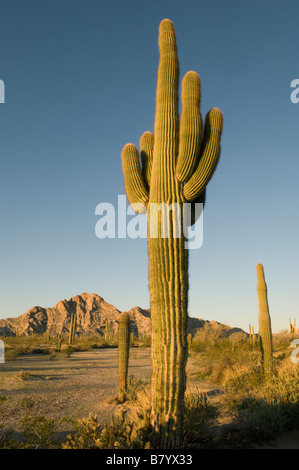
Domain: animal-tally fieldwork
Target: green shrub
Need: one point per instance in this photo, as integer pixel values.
(199, 416)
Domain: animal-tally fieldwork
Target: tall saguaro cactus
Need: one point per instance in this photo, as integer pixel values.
(265, 331)
(177, 163)
(123, 354)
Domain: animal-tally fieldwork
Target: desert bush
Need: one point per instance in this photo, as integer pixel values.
(23, 375)
(283, 387)
(130, 428)
(264, 407)
(120, 433)
(135, 388)
(242, 379)
(37, 431)
(67, 349)
(199, 417)
(5, 433)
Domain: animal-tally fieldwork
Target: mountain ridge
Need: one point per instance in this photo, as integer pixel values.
(93, 314)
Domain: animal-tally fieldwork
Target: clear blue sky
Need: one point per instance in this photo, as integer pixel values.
(80, 80)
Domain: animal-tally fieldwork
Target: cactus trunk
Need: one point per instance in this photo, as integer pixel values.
(169, 290)
(265, 331)
(123, 355)
(177, 164)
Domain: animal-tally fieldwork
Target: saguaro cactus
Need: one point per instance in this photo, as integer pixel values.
(177, 163)
(265, 331)
(106, 332)
(253, 336)
(123, 354)
(292, 326)
(250, 334)
(73, 328)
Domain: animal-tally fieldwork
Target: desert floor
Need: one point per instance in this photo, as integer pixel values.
(84, 383)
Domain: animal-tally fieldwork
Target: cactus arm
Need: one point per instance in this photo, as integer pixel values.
(210, 153)
(135, 186)
(190, 127)
(146, 153)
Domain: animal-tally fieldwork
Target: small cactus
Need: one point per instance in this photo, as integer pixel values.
(253, 336)
(72, 328)
(123, 355)
(292, 326)
(107, 332)
(265, 331)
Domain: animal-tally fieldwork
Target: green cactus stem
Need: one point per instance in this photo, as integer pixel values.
(250, 334)
(123, 355)
(72, 328)
(177, 161)
(292, 326)
(106, 332)
(265, 331)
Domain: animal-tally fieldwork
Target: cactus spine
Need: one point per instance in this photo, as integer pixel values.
(177, 163)
(265, 331)
(123, 355)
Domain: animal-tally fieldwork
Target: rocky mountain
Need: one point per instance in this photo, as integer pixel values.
(93, 314)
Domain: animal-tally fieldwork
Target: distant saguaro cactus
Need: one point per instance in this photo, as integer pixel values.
(265, 330)
(253, 336)
(123, 354)
(106, 332)
(72, 328)
(177, 162)
(292, 326)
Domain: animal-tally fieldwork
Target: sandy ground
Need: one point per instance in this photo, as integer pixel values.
(72, 387)
(84, 383)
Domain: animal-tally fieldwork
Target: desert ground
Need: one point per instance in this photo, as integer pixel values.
(86, 382)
